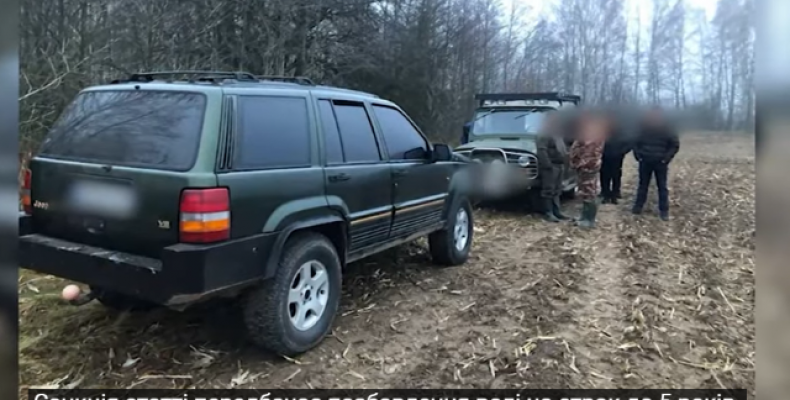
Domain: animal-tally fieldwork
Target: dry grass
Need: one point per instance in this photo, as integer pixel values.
(636, 303)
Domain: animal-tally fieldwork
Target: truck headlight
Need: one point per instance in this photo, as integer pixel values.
(524, 161)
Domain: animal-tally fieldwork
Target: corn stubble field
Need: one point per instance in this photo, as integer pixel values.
(636, 303)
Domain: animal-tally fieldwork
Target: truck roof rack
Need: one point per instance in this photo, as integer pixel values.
(191, 76)
(550, 96)
(301, 80)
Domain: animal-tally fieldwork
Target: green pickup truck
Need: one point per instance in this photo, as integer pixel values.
(502, 138)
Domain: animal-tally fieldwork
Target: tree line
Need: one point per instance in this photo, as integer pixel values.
(429, 56)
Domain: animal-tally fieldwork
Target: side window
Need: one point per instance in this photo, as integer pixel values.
(333, 146)
(356, 133)
(402, 139)
(273, 133)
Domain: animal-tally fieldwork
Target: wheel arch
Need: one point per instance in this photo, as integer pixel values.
(459, 189)
(329, 217)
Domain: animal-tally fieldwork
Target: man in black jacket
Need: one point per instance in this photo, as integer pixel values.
(465, 133)
(615, 150)
(655, 147)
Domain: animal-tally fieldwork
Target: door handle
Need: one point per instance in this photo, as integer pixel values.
(339, 177)
(398, 172)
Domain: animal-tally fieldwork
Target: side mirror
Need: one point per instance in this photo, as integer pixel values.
(441, 152)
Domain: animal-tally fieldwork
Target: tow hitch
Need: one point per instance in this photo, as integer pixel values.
(76, 297)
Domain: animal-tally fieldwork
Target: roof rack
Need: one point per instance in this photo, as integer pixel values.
(211, 76)
(550, 96)
(301, 80)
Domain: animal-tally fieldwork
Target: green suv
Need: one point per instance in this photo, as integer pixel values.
(166, 192)
(503, 139)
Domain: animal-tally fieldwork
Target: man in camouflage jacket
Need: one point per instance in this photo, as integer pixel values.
(585, 157)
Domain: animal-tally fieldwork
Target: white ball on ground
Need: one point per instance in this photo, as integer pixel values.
(71, 292)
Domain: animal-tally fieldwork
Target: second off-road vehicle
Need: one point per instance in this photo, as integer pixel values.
(156, 191)
(503, 138)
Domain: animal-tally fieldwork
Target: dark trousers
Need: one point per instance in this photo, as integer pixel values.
(611, 174)
(648, 169)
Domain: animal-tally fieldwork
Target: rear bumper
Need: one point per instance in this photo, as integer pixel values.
(183, 274)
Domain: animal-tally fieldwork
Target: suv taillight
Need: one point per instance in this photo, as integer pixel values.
(204, 215)
(27, 205)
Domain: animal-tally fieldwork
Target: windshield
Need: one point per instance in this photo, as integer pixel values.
(509, 122)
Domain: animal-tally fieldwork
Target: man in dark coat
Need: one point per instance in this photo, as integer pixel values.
(465, 133)
(552, 156)
(614, 151)
(655, 147)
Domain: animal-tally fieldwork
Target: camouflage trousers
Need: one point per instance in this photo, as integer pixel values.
(589, 186)
(551, 181)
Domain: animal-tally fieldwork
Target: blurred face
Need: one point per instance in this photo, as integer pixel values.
(594, 128)
(654, 117)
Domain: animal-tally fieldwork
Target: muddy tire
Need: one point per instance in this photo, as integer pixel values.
(293, 311)
(121, 302)
(451, 246)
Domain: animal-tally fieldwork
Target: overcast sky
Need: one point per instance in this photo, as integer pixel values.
(635, 9)
(645, 6)
(772, 28)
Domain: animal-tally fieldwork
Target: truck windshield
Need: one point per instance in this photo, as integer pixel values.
(507, 122)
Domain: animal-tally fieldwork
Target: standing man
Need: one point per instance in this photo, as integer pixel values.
(614, 151)
(552, 154)
(465, 133)
(585, 157)
(654, 149)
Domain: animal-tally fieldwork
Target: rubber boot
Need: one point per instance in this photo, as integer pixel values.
(583, 214)
(593, 214)
(548, 215)
(589, 210)
(557, 210)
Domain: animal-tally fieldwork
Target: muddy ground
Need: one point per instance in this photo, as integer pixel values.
(636, 303)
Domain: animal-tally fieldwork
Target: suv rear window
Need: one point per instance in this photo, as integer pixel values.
(153, 129)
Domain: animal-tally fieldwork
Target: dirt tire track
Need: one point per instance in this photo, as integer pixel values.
(654, 333)
(660, 329)
(722, 274)
(512, 305)
(597, 301)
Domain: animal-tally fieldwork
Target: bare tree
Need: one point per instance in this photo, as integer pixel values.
(432, 56)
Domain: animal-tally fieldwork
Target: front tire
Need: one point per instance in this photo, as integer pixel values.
(292, 312)
(451, 245)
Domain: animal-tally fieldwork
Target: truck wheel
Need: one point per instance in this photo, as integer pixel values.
(451, 245)
(121, 302)
(293, 311)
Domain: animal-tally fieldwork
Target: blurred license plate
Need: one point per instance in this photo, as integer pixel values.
(495, 179)
(111, 200)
